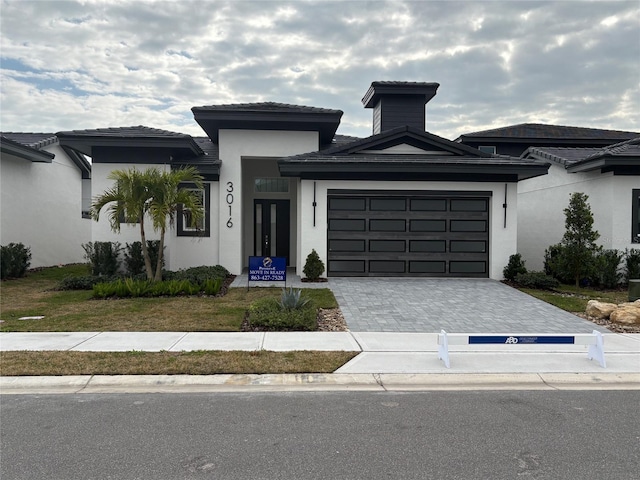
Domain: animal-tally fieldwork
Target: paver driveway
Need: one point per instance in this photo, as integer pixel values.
(453, 304)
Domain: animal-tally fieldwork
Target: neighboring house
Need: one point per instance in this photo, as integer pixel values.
(280, 182)
(515, 139)
(610, 176)
(45, 191)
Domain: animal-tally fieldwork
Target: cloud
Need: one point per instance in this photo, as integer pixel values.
(69, 65)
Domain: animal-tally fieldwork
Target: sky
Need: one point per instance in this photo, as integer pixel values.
(69, 65)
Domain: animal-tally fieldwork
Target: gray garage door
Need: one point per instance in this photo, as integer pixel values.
(381, 233)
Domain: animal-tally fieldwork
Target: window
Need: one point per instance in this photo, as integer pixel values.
(202, 228)
(487, 149)
(635, 217)
(271, 185)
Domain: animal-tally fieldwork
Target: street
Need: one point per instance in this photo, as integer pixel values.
(323, 435)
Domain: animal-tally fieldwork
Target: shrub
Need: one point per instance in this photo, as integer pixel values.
(632, 264)
(539, 280)
(608, 272)
(292, 299)
(15, 259)
(267, 313)
(83, 282)
(198, 274)
(212, 286)
(554, 264)
(313, 267)
(514, 267)
(134, 259)
(103, 257)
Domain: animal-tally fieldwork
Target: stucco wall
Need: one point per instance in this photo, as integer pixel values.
(542, 202)
(41, 207)
(502, 241)
(250, 144)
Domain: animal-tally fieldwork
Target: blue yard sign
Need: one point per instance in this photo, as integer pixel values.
(267, 269)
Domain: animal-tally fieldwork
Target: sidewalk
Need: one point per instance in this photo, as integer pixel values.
(381, 353)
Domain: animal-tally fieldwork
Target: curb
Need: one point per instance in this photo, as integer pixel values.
(87, 384)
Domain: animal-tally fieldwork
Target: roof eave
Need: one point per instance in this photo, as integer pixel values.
(601, 163)
(28, 153)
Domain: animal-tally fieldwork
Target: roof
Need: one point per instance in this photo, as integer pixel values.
(84, 141)
(622, 157)
(382, 88)
(433, 158)
(529, 131)
(268, 116)
(23, 150)
(33, 140)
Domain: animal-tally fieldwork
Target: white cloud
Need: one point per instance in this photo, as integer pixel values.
(69, 65)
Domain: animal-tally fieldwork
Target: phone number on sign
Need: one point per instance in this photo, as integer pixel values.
(266, 278)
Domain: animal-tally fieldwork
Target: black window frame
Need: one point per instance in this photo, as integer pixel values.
(635, 215)
(181, 232)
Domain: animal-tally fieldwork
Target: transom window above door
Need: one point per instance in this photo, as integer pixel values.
(271, 185)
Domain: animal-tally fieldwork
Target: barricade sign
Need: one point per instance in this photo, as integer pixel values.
(267, 269)
(593, 340)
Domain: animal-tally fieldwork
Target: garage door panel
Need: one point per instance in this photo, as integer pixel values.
(386, 235)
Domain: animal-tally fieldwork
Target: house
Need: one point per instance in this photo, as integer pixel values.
(280, 182)
(610, 176)
(45, 196)
(515, 139)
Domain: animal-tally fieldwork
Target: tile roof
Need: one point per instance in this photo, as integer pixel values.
(544, 131)
(139, 131)
(265, 107)
(33, 140)
(572, 156)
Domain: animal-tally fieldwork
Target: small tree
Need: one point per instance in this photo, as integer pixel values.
(514, 267)
(153, 193)
(313, 266)
(579, 238)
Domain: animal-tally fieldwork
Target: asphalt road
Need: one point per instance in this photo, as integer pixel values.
(429, 435)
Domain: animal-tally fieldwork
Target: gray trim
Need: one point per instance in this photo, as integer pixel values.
(180, 232)
(19, 150)
(411, 193)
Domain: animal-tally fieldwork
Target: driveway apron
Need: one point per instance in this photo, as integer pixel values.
(453, 304)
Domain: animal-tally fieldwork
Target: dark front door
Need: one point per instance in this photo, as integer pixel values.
(271, 226)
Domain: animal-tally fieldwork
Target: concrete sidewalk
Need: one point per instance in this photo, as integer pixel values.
(380, 353)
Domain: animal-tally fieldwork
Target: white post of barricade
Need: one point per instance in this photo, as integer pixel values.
(443, 348)
(596, 351)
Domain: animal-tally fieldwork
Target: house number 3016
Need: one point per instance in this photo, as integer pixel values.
(229, 200)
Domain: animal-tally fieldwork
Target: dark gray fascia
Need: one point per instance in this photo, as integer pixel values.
(22, 151)
(607, 163)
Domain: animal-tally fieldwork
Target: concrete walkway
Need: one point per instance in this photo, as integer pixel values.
(391, 353)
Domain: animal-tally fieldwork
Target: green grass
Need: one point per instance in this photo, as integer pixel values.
(574, 299)
(72, 311)
(169, 363)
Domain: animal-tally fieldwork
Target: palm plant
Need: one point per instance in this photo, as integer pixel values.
(152, 192)
(168, 197)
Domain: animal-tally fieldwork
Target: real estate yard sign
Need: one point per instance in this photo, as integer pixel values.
(267, 269)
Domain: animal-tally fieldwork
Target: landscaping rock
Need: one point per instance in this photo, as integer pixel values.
(627, 313)
(600, 310)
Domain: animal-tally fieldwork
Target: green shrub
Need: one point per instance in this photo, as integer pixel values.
(212, 286)
(539, 280)
(608, 271)
(134, 259)
(632, 264)
(514, 267)
(198, 274)
(554, 264)
(313, 267)
(267, 314)
(292, 299)
(103, 257)
(138, 288)
(83, 282)
(15, 259)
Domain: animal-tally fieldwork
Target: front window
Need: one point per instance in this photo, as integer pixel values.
(635, 216)
(271, 185)
(185, 224)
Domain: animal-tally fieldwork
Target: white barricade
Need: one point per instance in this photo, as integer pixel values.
(594, 340)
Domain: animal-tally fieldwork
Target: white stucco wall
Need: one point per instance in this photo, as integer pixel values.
(41, 207)
(542, 201)
(502, 241)
(250, 144)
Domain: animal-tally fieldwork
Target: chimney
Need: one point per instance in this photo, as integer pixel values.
(396, 104)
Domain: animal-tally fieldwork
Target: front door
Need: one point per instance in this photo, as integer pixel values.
(271, 227)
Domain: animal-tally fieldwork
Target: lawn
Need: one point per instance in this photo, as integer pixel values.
(73, 311)
(574, 299)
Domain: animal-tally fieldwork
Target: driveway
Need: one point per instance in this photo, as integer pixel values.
(453, 304)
